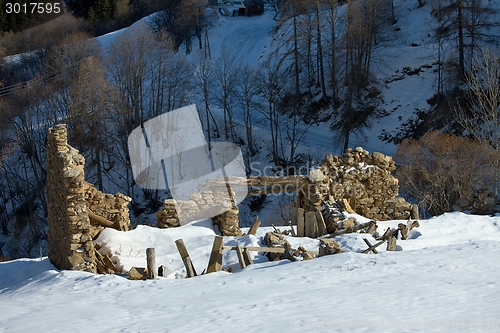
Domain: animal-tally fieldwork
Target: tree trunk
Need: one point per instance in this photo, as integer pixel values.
(320, 55)
(461, 63)
(296, 58)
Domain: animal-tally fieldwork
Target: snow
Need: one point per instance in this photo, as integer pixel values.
(445, 279)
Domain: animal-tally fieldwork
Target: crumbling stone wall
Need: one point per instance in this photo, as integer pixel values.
(199, 206)
(111, 207)
(70, 232)
(482, 202)
(70, 198)
(360, 181)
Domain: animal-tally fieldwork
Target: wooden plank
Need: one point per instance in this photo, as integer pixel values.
(191, 272)
(104, 264)
(353, 229)
(311, 224)
(162, 271)
(372, 247)
(247, 256)
(151, 263)
(96, 219)
(391, 243)
(321, 223)
(256, 248)
(137, 273)
(369, 247)
(255, 225)
(372, 228)
(215, 261)
(404, 231)
(415, 224)
(386, 234)
(300, 223)
(239, 254)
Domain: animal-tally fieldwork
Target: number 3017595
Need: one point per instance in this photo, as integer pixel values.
(32, 8)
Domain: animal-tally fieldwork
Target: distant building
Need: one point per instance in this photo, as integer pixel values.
(241, 7)
(254, 7)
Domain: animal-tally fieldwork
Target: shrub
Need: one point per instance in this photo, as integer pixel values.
(439, 168)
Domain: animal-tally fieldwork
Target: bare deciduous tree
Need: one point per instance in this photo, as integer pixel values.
(438, 169)
(480, 117)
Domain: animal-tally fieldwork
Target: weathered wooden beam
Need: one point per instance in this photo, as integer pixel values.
(372, 247)
(239, 254)
(247, 257)
(391, 243)
(292, 230)
(215, 261)
(404, 231)
(99, 220)
(372, 228)
(386, 234)
(191, 272)
(255, 225)
(162, 271)
(257, 249)
(414, 224)
(321, 223)
(151, 263)
(137, 273)
(300, 223)
(311, 225)
(260, 185)
(353, 229)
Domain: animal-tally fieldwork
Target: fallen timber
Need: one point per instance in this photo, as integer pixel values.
(260, 185)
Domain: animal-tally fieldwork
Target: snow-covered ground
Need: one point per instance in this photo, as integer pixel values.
(445, 279)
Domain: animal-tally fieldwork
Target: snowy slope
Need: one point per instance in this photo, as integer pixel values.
(445, 279)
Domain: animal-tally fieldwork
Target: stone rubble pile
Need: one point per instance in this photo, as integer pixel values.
(480, 202)
(361, 180)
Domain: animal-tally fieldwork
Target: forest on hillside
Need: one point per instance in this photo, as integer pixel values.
(321, 69)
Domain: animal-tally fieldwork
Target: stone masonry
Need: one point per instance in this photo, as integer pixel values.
(198, 206)
(70, 201)
(360, 181)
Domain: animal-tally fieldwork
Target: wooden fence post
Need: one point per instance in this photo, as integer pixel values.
(391, 243)
(311, 225)
(239, 254)
(321, 224)
(151, 263)
(162, 271)
(255, 225)
(300, 222)
(372, 228)
(185, 258)
(247, 257)
(215, 261)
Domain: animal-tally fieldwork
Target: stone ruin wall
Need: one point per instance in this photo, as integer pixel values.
(361, 182)
(357, 180)
(196, 208)
(70, 199)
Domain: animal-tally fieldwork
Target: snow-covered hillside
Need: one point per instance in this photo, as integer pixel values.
(445, 279)
(408, 45)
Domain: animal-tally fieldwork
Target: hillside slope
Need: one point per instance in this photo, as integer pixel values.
(445, 279)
